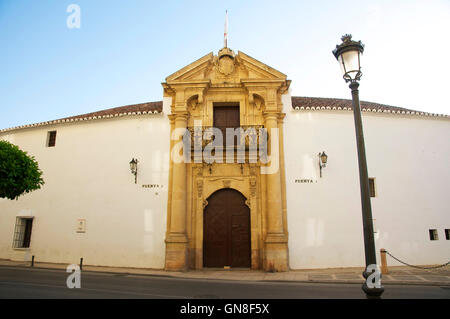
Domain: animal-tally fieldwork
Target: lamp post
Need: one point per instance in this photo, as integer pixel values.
(348, 54)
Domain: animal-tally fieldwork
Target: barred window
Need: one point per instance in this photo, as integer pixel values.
(22, 232)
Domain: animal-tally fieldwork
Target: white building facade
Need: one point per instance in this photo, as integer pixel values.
(91, 207)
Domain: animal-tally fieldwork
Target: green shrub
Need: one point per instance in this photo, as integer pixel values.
(19, 173)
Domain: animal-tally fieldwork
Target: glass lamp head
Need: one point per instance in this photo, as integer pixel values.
(348, 54)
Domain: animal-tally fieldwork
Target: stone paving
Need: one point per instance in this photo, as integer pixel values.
(396, 275)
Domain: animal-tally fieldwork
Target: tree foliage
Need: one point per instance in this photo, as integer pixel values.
(19, 172)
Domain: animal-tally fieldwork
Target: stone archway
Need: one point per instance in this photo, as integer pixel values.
(226, 230)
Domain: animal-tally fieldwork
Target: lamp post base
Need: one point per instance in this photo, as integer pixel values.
(376, 289)
(373, 293)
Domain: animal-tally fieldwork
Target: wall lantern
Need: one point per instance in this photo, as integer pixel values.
(323, 158)
(348, 54)
(133, 168)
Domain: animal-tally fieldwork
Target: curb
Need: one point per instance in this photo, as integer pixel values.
(354, 282)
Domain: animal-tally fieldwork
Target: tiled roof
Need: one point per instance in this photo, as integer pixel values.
(298, 103)
(127, 110)
(321, 103)
(133, 109)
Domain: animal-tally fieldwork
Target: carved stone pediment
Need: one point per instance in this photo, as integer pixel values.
(199, 187)
(226, 66)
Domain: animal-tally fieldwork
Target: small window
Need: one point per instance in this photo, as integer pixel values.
(433, 234)
(51, 138)
(447, 234)
(372, 187)
(22, 232)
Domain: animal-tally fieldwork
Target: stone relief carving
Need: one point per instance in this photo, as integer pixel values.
(198, 170)
(252, 170)
(192, 103)
(208, 69)
(240, 65)
(252, 182)
(199, 187)
(258, 103)
(226, 65)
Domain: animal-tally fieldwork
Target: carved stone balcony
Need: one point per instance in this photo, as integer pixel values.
(244, 141)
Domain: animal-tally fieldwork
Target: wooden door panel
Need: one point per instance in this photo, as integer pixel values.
(216, 236)
(226, 117)
(220, 117)
(233, 117)
(226, 231)
(240, 237)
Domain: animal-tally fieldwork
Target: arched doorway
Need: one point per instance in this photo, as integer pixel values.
(226, 230)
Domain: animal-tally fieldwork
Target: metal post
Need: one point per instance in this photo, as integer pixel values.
(369, 242)
(32, 261)
(320, 167)
(81, 263)
(384, 268)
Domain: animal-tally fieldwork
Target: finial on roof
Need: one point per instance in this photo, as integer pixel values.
(226, 52)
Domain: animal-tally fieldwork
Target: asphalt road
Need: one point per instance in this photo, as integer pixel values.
(42, 283)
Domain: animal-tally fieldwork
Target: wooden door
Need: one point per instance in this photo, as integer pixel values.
(226, 230)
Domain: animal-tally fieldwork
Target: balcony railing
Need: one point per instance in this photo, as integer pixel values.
(242, 137)
(243, 143)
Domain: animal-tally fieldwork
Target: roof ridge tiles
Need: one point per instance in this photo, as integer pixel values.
(298, 103)
(316, 103)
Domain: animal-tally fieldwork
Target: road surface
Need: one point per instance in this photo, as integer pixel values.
(28, 283)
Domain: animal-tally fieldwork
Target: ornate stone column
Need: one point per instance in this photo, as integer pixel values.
(276, 250)
(176, 240)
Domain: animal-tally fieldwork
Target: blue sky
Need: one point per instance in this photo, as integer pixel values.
(125, 49)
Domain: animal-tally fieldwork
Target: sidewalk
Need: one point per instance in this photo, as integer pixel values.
(397, 274)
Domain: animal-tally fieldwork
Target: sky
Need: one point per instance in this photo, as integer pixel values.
(124, 50)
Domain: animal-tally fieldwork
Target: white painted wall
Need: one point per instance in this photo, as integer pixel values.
(408, 156)
(87, 175)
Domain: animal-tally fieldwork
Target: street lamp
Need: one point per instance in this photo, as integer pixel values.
(348, 54)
